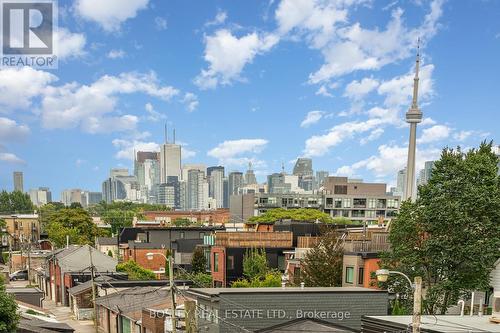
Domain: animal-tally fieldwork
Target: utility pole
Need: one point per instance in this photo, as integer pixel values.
(29, 262)
(93, 289)
(190, 309)
(417, 304)
(172, 292)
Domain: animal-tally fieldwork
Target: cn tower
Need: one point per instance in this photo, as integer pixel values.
(413, 117)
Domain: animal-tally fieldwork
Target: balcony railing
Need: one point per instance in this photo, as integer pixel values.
(254, 239)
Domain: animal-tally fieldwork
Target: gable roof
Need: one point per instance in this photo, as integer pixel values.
(107, 241)
(133, 299)
(300, 325)
(82, 287)
(79, 260)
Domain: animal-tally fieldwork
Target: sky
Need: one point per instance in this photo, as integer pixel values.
(251, 81)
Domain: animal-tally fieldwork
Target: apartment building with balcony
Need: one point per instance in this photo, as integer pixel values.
(22, 229)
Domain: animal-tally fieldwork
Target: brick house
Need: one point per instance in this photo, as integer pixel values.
(70, 266)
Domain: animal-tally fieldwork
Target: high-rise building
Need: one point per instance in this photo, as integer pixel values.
(93, 198)
(147, 172)
(426, 173)
(18, 181)
(170, 161)
(225, 198)
(197, 190)
(496, 151)
(250, 178)
(413, 117)
(235, 181)
(74, 195)
(400, 183)
(121, 187)
(169, 193)
(216, 186)
(187, 167)
(303, 169)
(320, 177)
(40, 196)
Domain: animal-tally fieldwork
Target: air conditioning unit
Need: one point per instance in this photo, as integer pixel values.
(495, 311)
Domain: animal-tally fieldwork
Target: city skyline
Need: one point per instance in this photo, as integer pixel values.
(229, 91)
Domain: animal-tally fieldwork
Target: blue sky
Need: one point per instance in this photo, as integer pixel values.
(244, 81)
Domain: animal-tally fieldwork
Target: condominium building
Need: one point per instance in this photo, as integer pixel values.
(303, 170)
(40, 196)
(170, 161)
(426, 173)
(216, 185)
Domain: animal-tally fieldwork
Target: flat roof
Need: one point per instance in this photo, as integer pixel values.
(442, 323)
(218, 291)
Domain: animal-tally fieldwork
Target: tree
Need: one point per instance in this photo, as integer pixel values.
(182, 222)
(110, 253)
(118, 219)
(198, 261)
(15, 202)
(299, 214)
(270, 279)
(450, 235)
(255, 264)
(135, 271)
(322, 265)
(9, 317)
(75, 223)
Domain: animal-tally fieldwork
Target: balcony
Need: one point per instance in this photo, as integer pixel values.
(254, 239)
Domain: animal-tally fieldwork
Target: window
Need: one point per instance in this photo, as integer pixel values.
(349, 275)
(370, 213)
(329, 201)
(338, 203)
(361, 275)
(372, 203)
(359, 203)
(230, 262)
(347, 203)
(216, 262)
(202, 235)
(340, 189)
(182, 234)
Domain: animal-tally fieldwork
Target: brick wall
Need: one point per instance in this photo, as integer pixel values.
(154, 324)
(370, 265)
(139, 256)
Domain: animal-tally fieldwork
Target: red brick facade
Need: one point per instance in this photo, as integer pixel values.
(219, 275)
(139, 256)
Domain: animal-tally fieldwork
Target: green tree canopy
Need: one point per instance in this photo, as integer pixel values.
(15, 202)
(8, 310)
(299, 214)
(198, 261)
(74, 222)
(450, 235)
(135, 271)
(255, 264)
(322, 266)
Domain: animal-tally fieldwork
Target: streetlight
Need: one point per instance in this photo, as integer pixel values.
(383, 276)
(150, 256)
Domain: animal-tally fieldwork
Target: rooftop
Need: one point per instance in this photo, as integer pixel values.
(436, 324)
(218, 291)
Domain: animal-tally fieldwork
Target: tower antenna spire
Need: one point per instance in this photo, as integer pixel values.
(166, 133)
(174, 135)
(413, 117)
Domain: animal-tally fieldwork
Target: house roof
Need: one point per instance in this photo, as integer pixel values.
(306, 325)
(433, 324)
(82, 287)
(133, 299)
(219, 291)
(27, 324)
(79, 260)
(107, 241)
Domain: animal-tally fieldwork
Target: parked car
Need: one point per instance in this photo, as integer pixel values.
(19, 275)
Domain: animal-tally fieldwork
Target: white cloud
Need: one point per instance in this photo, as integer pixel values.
(323, 91)
(109, 14)
(358, 89)
(464, 135)
(219, 19)
(160, 23)
(374, 135)
(191, 101)
(228, 54)
(389, 160)
(434, 133)
(10, 158)
(68, 44)
(18, 86)
(187, 153)
(229, 152)
(319, 145)
(88, 107)
(153, 115)
(311, 118)
(126, 148)
(352, 48)
(116, 54)
(428, 121)
(398, 91)
(10, 130)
